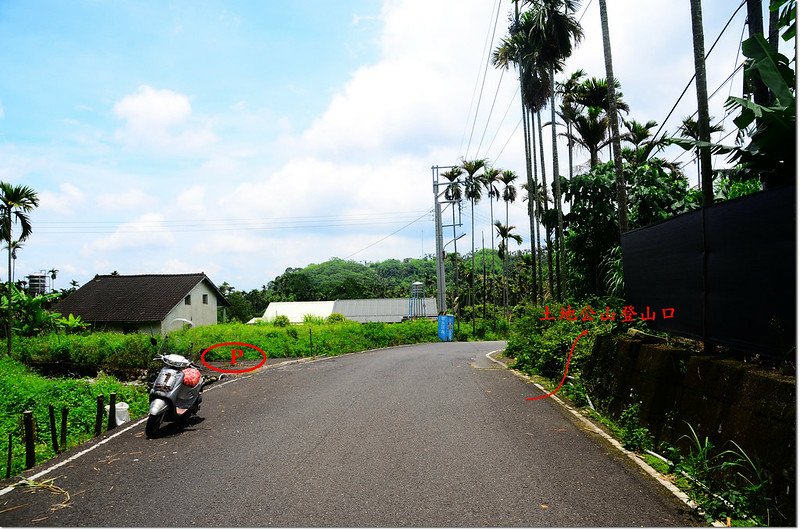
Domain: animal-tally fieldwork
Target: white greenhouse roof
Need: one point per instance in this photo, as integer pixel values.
(361, 310)
(296, 311)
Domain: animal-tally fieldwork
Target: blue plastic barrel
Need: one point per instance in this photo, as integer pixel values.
(446, 326)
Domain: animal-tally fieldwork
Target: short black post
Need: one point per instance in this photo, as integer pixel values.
(112, 411)
(30, 448)
(53, 433)
(98, 420)
(8, 462)
(64, 412)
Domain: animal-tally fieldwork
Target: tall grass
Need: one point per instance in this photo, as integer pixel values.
(117, 352)
(21, 390)
(301, 341)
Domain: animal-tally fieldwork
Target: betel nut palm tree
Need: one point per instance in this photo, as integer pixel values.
(554, 31)
(505, 233)
(491, 177)
(16, 201)
(473, 186)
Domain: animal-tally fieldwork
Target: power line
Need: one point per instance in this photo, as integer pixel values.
(390, 235)
(502, 121)
(509, 139)
(491, 109)
(584, 11)
(132, 227)
(486, 44)
(483, 83)
(693, 75)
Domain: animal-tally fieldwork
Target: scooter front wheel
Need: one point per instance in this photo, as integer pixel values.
(153, 423)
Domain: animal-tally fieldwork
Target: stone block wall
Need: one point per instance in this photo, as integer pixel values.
(722, 399)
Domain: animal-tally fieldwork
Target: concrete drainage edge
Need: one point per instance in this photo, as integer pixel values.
(613, 441)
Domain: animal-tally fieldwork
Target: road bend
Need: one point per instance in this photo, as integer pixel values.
(423, 435)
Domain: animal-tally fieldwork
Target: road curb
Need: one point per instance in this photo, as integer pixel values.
(610, 439)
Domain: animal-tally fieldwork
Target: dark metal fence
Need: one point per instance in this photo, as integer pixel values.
(727, 270)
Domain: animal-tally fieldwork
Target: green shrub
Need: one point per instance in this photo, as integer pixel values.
(542, 346)
(335, 318)
(313, 319)
(634, 437)
(281, 321)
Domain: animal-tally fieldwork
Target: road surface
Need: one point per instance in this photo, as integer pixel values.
(424, 435)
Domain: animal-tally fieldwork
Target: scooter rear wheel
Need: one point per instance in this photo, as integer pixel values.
(153, 423)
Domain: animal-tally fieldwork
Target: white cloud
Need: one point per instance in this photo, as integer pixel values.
(64, 201)
(130, 199)
(192, 202)
(161, 120)
(146, 232)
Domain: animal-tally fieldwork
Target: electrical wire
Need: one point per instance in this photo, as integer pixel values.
(664, 121)
(491, 110)
(486, 44)
(483, 83)
(502, 121)
(584, 11)
(509, 139)
(289, 223)
(381, 240)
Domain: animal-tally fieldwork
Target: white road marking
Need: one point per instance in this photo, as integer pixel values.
(630, 454)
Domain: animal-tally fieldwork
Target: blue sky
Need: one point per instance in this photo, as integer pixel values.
(242, 138)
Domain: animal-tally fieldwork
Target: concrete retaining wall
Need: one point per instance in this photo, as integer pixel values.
(722, 399)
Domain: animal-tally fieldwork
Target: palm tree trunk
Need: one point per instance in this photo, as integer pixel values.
(537, 208)
(9, 326)
(546, 208)
(773, 30)
(755, 26)
(491, 214)
(557, 186)
(622, 197)
(569, 149)
(702, 101)
(472, 269)
(531, 197)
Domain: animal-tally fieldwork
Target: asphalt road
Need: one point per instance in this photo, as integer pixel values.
(426, 435)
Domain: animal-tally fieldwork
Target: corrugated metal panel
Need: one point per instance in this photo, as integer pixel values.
(381, 310)
(295, 311)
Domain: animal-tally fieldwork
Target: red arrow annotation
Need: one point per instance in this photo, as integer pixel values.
(566, 369)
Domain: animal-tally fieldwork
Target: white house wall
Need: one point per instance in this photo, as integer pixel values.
(199, 313)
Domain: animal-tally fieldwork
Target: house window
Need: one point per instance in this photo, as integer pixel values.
(205, 299)
(188, 300)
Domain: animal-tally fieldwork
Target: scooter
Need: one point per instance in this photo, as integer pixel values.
(176, 393)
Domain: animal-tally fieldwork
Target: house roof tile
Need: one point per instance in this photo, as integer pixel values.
(134, 298)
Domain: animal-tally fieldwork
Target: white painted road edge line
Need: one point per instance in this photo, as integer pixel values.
(98, 444)
(630, 454)
(74, 457)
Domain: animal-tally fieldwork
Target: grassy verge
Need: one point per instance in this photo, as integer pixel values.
(300, 341)
(21, 390)
(114, 352)
(724, 483)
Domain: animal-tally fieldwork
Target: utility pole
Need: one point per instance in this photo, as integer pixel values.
(441, 301)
